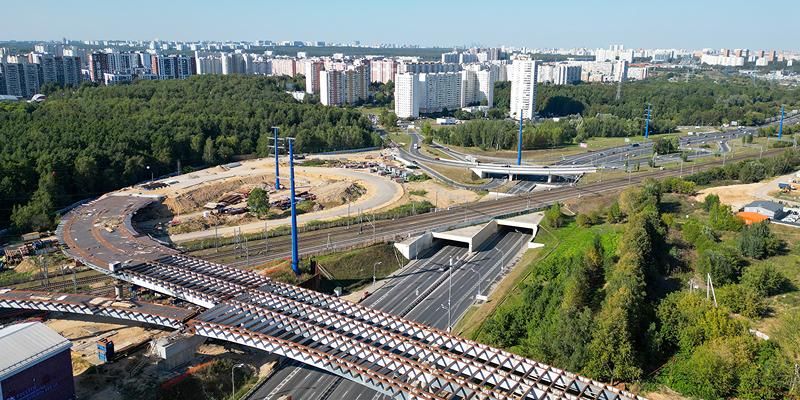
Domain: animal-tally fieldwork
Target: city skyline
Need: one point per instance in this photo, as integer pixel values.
(678, 24)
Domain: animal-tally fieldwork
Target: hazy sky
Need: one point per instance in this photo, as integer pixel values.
(533, 23)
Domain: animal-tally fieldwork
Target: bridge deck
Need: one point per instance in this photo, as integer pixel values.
(395, 356)
(156, 314)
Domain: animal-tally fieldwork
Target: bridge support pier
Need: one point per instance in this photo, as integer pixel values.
(119, 290)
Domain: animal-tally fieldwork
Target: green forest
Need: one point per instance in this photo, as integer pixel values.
(700, 101)
(87, 141)
(620, 296)
(697, 102)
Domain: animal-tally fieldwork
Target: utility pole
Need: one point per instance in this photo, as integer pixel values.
(710, 289)
(266, 238)
(292, 202)
(780, 127)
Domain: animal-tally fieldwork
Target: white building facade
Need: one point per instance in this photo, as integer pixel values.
(523, 88)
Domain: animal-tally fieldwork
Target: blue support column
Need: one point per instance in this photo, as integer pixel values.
(780, 127)
(277, 168)
(292, 201)
(647, 124)
(519, 140)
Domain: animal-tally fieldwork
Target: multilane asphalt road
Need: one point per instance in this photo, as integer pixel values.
(419, 292)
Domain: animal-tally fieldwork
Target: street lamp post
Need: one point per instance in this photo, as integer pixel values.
(151, 173)
(375, 273)
(478, 277)
(449, 295)
(233, 381)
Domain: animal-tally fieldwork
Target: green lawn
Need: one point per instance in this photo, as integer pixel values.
(352, 269)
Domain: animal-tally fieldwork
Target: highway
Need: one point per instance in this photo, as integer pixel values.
(418, 292)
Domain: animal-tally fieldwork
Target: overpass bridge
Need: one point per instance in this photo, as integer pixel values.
(392, 355)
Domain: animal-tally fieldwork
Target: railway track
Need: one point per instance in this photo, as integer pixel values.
(364, 233)
(67, 285)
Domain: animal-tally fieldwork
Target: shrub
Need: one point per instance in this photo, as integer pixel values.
(583, 221)
(553, 217)
(741, 299)
(765, 280)
(724, 265)
(756, 241)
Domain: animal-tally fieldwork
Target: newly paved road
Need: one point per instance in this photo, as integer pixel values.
(419, 292)
(381, 192)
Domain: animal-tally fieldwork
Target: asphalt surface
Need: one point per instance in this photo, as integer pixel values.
(100, 232)
(418, 292)
(415, 155)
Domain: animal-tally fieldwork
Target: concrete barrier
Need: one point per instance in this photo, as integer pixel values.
(412, 247)
(472, 236)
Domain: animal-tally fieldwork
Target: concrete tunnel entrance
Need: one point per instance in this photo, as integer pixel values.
(471, 236)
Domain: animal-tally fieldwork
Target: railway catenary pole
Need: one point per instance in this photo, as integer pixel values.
(519, 140)
(292, 202)
(277, 164)
(780, 127)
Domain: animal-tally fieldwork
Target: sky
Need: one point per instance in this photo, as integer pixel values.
(531, 23)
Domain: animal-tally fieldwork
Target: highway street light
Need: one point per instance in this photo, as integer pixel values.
(151, 173)
(450, 295)
(233, 382)
(374, 273)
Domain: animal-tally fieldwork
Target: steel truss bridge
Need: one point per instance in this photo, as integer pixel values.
(397, 357)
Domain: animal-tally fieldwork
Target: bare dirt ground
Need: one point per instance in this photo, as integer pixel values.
(95, 380)
(738, 195)
(734, 195)
(438, 194)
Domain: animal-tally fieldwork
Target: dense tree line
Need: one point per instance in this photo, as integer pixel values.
(749, 171)
(700, 101)
(503, 134)
(91, 140)
(606, 306)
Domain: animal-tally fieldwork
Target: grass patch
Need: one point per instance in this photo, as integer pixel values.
(352, 269)
(418, 192)
(561, 243)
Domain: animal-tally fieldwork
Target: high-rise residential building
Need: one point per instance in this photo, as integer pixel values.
(440, 91)
(99, 64)
(21, 79)
(565, 74)
(284, 66)
(614, 53)
(427, 67)
(63, 70)
(357, 83)
(262, 66)
(383, 70)
(331, 88)
(208, 63)
(450, 58)
(312, 69)
(348, 86)
(523, 88)
(466, 58)
(477, 87)
(406, 95)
